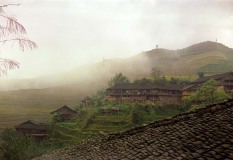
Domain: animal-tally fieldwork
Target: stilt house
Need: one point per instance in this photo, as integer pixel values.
(65, 113)
(33, 129)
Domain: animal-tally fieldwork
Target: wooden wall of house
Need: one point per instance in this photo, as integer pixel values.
(69, 116)
(170, 100)
(186, 94)
(31, 131)
(227, 85)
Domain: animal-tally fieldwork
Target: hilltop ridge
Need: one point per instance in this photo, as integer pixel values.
(206, 47)
(209, 57)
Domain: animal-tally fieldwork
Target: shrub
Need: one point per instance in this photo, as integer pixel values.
(56, 118)
(137, 117)
(89, 119)
(137, 114)
(206, 95)
(17, 147)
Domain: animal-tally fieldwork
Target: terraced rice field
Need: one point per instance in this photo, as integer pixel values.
(35, 104)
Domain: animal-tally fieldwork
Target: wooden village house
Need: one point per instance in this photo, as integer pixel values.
(188, 90)
(110, 111)
(225, 81)
(166, 94)
(34, 129)
(65, 113)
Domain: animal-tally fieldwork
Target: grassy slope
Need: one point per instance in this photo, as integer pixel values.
(190, 60)
(196, 61)
(208, 57)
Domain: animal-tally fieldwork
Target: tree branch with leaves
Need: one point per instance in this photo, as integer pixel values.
(12, 31)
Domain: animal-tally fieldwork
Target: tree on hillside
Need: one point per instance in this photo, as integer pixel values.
(180, 80)
(143, 81)
(119, 78)
(158, 76)
(206, 95)
(156, 73)
(200, 74)
(137, 114)
(98, 98)
(12, 31)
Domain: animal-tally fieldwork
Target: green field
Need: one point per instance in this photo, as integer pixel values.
(19, 106)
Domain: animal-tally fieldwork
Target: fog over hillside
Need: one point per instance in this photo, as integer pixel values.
(209, 57)
(76, 33)
(36, 98)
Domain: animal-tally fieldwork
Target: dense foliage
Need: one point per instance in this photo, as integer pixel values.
(98, 98)
(179, 80)
(18, 147)
(156, 74)
(206, 95)
(137, 114)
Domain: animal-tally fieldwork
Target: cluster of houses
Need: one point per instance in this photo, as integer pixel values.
(166, 94)
(41, 130)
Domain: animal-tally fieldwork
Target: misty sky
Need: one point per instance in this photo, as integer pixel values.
(76, 32)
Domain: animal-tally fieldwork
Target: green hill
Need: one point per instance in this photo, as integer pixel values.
(208, 57)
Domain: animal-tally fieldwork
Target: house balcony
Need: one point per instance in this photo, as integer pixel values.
(227, 83)
(142, 94)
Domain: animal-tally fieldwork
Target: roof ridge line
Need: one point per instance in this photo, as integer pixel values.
(183, 116)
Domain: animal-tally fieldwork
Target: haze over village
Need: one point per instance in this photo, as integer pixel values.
(119, 79)
(70, 34)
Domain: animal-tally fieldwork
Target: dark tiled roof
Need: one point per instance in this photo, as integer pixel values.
(215, 77)
(190, 87)
(130, 86)
(32, 125)
(206, 133)
(64, 110)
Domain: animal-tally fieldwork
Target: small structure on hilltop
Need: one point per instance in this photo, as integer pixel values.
(65, 113)
(110, 111)
(34, 129)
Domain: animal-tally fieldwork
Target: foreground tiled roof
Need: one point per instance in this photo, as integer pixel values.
(206, 133)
